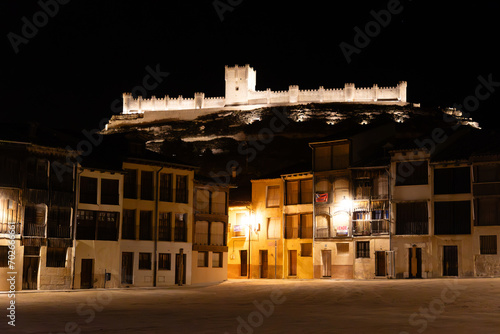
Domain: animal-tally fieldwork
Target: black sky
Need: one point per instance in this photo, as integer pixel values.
(69, 74)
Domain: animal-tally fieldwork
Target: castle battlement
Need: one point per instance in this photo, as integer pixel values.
(240, 90)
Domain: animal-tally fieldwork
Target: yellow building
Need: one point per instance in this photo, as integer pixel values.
(157, 230)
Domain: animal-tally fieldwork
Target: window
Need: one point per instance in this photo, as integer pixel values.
(202, 200)
(9, 172)
(147, 185)
(217, 235)
(322, 226)
(292, 226)
(56, 257)
(34, 219)
(273, 196)
(59, 223)
(217, 260)
(487, 211)
(411, 173)
(164, 261)
(273, 228)
(219, 202)
(239, 228)
(452, 217)
(306, 250)
(331, 157)
(362, 249)
(37, 174)
(202, 259)
(4, 253)
(86, 225)
(145, 261)
(342, 248)
(128, 228)
(107, 226)
(488, 244)
(298, 192)
(452, 180)
(166, 187)
(130, 184)
(412, 218)
(180, 228)
(165, 227)
(306, 226)
(88, 190)
(109, 192)
(146, 225)
(181, 190)
(201, 233)
(487, 173)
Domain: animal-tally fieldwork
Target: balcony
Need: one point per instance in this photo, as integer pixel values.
(34, 230)
(370, 227)
(59, 231)
(322, 232)
(6, 227)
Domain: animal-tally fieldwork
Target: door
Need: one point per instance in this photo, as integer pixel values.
(380, 263)
(450, 260)
(127, 267)
(30, 272)
(415, 262)
(292, 263)
(263, 264)
(86, 274)
(244, 263)
(177, 267)
(326, 263)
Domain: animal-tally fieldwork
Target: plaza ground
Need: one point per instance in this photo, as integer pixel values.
(267, 306)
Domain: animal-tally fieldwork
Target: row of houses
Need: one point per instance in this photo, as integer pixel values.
(367, 208)
(412, 212)
(123, 218)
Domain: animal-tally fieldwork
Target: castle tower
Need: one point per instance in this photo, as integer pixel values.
(402, 90)
(239, 81)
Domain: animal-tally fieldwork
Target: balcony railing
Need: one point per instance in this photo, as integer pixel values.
(380, 227)
(323, 232)
(367, 227)
(59, 231)
(34, 230)
(6, 227)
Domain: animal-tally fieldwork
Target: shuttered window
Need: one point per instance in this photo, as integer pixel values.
(452, 217)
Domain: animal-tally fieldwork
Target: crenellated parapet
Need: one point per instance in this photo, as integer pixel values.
(240, 90)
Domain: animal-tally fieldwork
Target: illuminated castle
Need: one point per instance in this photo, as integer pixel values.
(240, 91)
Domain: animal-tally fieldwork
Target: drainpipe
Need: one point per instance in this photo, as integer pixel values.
(389, 182)
(76, 197)
(283, 230)
(155, 226)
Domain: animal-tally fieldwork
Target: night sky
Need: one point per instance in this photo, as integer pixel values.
(83, 58)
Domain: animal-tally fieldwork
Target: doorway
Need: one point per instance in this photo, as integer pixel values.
(292, 263)
(326, 263)
(127, 267)
(450, 260)
(177, 267)
(30, 272)
(86, 274)
(415, 262)
(263, 264)
(380, 263)
(244, 263)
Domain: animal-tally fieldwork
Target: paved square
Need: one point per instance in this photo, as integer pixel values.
(267, 306)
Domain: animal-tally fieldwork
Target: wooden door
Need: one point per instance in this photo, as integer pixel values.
(263, 264)
(244, 263)
(177, 267)
(380, 263)
(415, 262)
(86, 275)
(326, 263)
(30, 272)
(127, 267)
(450, 260)
(292, 263)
